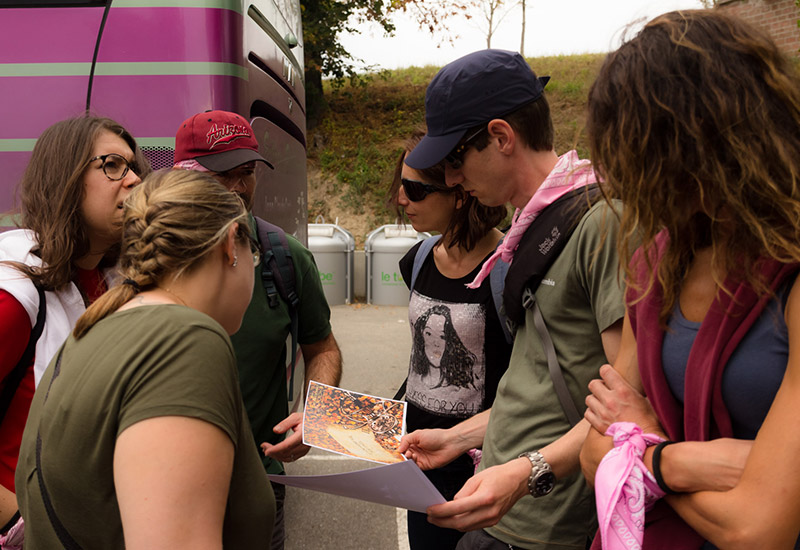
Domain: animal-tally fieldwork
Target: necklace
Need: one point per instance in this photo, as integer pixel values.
(178, 298)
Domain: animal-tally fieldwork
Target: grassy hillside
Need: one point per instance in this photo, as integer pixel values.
(353, 151)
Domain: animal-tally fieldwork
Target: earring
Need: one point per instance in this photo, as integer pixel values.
(235, 260)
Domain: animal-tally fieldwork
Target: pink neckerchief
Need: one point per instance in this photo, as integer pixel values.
(190, 164)
(569, 173)
(624, 488)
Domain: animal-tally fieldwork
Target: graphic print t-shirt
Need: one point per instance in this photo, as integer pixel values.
(458, 351)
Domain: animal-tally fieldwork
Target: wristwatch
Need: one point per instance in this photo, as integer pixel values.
(542, 479)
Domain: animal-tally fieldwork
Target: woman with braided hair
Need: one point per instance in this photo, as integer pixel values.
(137, 436)
(70, 196)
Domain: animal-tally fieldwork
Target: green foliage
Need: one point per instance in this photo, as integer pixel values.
(363, 130)
(324, 55)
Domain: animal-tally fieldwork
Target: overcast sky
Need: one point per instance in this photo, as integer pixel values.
(553, 27)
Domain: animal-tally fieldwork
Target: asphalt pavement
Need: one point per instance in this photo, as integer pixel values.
(375, 343)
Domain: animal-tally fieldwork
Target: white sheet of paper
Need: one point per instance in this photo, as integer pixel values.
(402, 485)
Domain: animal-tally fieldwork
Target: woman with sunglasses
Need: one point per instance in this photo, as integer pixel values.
(156, 451)
(71, 194)
(449, 321)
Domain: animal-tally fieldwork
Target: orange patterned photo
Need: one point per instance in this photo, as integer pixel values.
(354, 424)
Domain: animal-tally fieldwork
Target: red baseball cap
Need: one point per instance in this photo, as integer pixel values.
(218, 140)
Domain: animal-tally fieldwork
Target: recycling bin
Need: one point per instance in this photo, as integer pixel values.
(383, 249)
(332, 247)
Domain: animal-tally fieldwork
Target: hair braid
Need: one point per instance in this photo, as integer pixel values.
(172, 222)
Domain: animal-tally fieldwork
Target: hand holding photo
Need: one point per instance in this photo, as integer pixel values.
(353, 424)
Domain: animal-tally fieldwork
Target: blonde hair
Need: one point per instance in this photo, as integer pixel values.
(172, 221)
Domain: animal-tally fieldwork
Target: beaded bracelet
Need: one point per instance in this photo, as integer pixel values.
(657, 467)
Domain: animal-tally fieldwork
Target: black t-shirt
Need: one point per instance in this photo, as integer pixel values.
(458, 352)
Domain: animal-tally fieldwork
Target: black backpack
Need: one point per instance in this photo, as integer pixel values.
(278, 277)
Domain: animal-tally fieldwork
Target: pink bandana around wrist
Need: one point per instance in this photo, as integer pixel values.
(14, 537)
(624, 488)
(569, 173)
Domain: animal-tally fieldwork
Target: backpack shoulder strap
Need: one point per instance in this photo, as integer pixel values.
(278, 257)
(278, 277)
(422, 253)
(497, 281)
(541, 245)
(556, 374)
(15, 377)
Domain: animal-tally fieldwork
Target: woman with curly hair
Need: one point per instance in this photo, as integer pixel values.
(459, 348)
(71, 194)
(695, 125)
(137, 436)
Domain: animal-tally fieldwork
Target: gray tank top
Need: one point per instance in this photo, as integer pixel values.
(754, 372)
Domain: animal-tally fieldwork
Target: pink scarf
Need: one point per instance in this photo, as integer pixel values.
(569, 173)
(624, 488)
(190, 164)
(14, 537)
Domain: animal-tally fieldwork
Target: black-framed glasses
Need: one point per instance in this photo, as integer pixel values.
(456, 157)
(115, 166)
(417, 190)
(255, 249)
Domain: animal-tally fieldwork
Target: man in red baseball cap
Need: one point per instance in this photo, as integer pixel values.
(223, 144)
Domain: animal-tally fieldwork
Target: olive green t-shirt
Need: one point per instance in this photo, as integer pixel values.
(261, 350)
(141, 363)
(580, 296)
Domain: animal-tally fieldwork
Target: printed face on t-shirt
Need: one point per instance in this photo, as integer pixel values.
(433, 335)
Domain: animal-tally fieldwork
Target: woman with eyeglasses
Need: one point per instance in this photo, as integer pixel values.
(137, 436)
(459, 349)
(71, 194)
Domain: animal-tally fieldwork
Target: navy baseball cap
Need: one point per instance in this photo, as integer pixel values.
(471, 90)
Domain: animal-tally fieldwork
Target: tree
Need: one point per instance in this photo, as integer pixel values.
(492, 12)
(325, 20)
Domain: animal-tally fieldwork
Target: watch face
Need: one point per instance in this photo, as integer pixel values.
(544, 483)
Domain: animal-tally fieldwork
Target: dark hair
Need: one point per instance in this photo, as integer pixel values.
(470, 222)
(51, 192)
(695, 125)
(532, 123)
(455, 368)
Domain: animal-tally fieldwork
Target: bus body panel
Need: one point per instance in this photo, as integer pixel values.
(158, 63)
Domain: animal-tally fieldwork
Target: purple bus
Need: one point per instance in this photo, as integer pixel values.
(150, 64)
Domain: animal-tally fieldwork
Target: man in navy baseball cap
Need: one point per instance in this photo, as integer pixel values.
(489, 123)
(469, 91)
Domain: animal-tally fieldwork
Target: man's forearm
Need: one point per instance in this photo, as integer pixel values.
(563, 454)
(472, 430)
(323, 361)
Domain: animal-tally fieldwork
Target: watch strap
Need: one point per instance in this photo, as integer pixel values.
(539, 466)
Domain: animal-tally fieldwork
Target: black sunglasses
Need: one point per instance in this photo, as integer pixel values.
(456, 157)
(417, 191)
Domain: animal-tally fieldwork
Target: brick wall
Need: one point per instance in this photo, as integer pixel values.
(778, 17)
